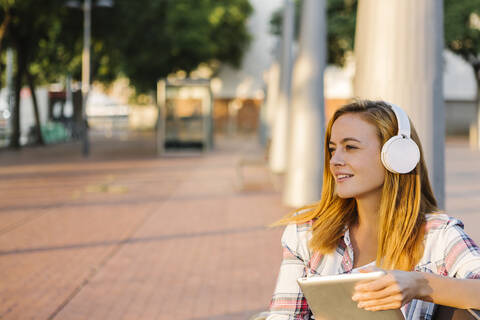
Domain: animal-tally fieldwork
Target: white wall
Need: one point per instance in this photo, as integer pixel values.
(27, 116)
(458, 78)
(248, 82)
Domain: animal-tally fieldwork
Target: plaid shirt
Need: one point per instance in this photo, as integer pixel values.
(449, 251)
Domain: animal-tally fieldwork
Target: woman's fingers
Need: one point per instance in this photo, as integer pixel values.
(385, 306)
(384, 299)
(388, 292)
(385, 292)
(375, 285)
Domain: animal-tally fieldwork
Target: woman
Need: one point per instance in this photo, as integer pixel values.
(370, 217)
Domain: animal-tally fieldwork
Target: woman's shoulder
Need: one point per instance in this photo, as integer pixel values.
(302, 226)
(440, 221)
(296, 237)
(299, 229)
(449, 250)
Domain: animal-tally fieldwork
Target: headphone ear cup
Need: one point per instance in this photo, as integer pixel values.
(400, 154)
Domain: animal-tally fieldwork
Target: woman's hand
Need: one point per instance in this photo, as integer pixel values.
(390, 291)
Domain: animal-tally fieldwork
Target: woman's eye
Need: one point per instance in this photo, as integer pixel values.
(349, 147)
(331, 150)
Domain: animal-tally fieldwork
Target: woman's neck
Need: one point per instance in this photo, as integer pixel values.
(368, 212)
(363, 235)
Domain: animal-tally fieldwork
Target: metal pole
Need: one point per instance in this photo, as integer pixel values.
(69, 99)
(303, 183)
(278, 148)
(398, 53)
(161, 118)
(87, 10)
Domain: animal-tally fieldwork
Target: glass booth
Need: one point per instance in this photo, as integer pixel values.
(185, 118)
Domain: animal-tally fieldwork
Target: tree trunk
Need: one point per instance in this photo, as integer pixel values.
(16, 130)
(4, 26)
(38, 130)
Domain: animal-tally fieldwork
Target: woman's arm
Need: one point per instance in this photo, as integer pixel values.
(397, 288)
(458, 257)
(288, 301)
(452, 292)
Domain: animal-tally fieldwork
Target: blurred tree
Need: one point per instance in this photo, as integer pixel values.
(341, 16)
(23, 29)
(46, 47)
(462, 30)
(144, 40)
(462, 36)
(158, 37)
(60, 52)
(461, 26)
(5, 18)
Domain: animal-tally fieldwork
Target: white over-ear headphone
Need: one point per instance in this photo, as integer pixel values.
(400, 154)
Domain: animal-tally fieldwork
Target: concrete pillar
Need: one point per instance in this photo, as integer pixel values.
(278, 148)
(398, 52)
(268, 109)
(303, 182)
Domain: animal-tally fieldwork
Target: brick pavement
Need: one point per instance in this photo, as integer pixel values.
(141, 238)
(126, 235)
(463, 185)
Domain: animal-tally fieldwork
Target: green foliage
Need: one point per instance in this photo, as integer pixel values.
(462, 30)
(26, 30)
(144, 40)
(21, 25)
(158, 37)
(341, 20)
(461, 26)
(45, 37)
(341, 16)
(277, 20)
(59, 52)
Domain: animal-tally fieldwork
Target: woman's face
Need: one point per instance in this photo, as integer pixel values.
(355, 157)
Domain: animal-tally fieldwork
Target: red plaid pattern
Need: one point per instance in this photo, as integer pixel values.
(448, 251)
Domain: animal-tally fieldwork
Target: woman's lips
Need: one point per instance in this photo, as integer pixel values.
(343, 177)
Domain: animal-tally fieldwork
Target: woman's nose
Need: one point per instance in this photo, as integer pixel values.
(337, 159)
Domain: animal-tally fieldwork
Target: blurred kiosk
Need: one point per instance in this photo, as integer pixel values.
(185, 117)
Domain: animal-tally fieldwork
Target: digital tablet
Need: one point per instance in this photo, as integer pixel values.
(330, 297)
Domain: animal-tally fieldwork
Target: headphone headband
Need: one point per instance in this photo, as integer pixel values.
(402, 120)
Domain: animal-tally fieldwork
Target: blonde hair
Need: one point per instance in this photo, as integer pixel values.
(405, 200)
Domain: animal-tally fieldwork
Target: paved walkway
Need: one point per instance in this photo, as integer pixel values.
(127, 235)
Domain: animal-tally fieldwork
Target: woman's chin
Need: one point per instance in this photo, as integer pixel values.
(344, 195)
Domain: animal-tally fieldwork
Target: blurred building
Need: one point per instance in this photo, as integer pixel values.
(460, 91)
(27, 118)
(239, 94)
